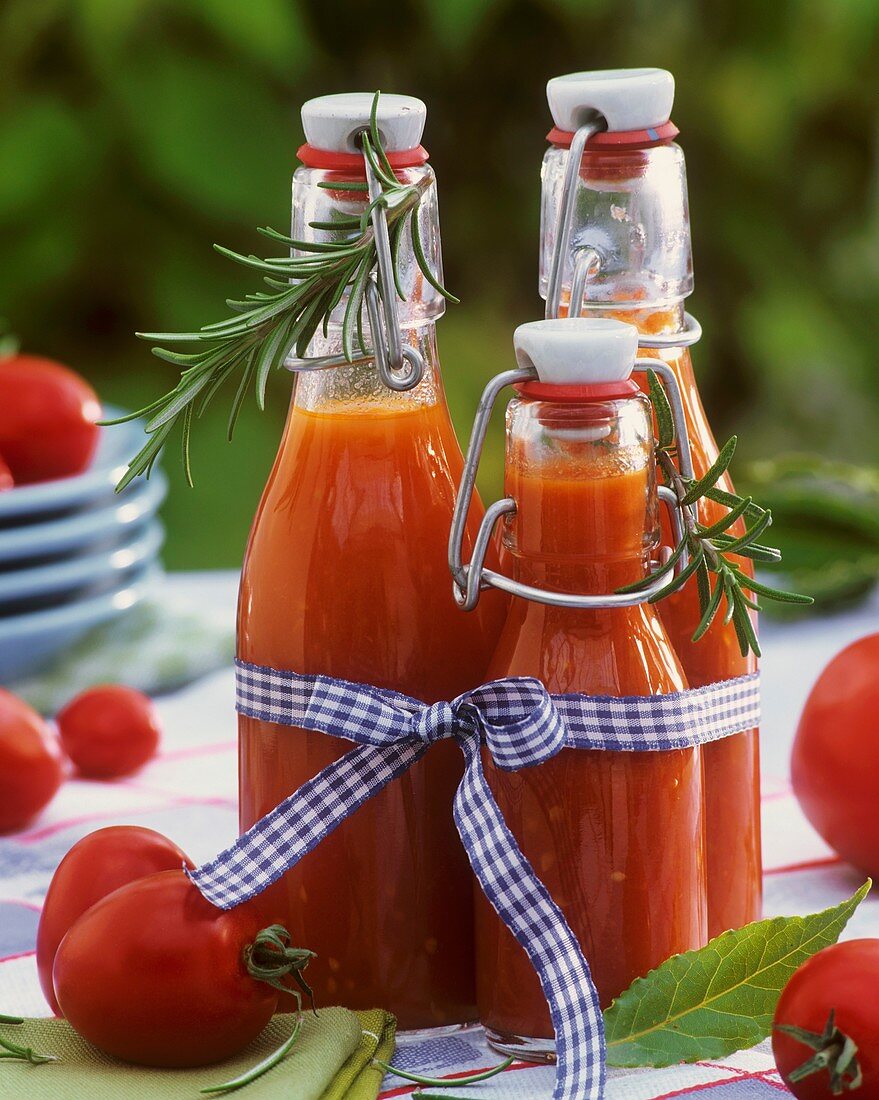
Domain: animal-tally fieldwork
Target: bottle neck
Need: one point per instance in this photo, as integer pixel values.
(653, 320)
(321, 200)
(599, 577)
(583, 478)
(629, 215)
(359, 387)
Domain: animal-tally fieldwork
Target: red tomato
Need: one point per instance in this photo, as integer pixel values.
(48, 419)
(835, 762)
(843, 979)
(6, 479)
(109, 731)
(154, 974)
(94, 867)
(30, 763)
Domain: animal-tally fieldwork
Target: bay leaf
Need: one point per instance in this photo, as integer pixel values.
(709, 1003)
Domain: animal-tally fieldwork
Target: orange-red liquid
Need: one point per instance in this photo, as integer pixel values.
(732, 765)
(615, 836)
(346, 575)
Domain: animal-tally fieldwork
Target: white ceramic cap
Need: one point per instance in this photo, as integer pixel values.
(332, 122)
(629, 99)
(577, 351)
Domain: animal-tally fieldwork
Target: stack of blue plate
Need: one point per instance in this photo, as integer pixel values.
(75, 554)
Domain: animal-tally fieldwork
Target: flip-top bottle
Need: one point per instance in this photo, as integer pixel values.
(616, 837)
(345, 575)
(615, 242)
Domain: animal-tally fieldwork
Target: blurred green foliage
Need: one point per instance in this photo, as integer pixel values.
(135, 133)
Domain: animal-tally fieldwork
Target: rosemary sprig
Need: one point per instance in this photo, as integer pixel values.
(269, 1062)
(18, 1053)
(267, 325)
(441, 1082)
(712, 548)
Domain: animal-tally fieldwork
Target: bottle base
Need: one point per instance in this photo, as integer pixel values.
(521, 1047)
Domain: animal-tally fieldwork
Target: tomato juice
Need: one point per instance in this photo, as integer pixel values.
(346, 576)
(616, 837)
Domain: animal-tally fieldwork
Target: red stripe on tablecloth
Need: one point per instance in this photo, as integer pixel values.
(37, 835)
(21, 903)
(757, 1075)
(225, 801)
(776, 796)
(168, 802)
(17, 955)
(806, 865)
(198, 750)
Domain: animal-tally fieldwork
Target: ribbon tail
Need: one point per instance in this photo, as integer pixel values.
(280, 839)
(525, 906)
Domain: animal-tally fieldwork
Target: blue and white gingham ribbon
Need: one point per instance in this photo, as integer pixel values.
(522, 725)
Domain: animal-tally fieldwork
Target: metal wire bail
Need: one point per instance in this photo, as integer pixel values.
(470, 578)
(400, 368)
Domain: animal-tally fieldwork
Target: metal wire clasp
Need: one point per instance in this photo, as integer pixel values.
(400, 368)
(470, 578)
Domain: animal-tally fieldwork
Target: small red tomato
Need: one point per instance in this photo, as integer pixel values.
(109, 731)
(30, 763)
(156, 975)
(94, 867)
(7, 481)
(835, 760)
(842, 980)
(48, 419)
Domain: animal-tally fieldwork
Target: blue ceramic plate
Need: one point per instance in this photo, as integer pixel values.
(99, 526)
(116, 446)
(140, 547)
(28, 641)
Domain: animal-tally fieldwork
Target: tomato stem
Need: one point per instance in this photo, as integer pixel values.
(834, 1052)
(270, 959)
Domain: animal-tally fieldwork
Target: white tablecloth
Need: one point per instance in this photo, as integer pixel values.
(189, 793)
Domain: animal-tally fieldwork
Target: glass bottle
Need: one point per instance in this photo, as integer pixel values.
(616, 837)
(630, 232)
(345, 575)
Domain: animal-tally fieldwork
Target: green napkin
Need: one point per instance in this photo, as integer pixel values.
(331, 1060)
(360, 1078)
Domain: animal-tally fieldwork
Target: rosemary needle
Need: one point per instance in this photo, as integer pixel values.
(260, 1068)
(439, 1082)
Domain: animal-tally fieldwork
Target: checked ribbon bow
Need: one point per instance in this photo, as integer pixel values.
(522, 725)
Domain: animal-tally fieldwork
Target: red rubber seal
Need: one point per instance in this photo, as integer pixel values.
(313, 157)
(597, 391)
(637, 138)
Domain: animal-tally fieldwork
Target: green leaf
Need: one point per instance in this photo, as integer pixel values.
(660, 571)
(665, 424)
(725, 522)
(710, 478)
(710, 610)
(771, 593)
(712, 1002)
(681, 579)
